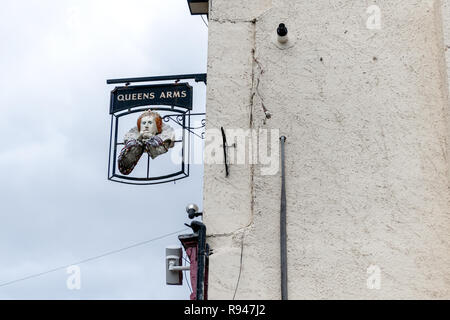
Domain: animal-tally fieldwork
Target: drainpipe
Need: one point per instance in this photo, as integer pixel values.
(283, 236)
(199, 227)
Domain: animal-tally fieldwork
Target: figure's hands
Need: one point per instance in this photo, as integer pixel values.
(134, 142)
(144, 136)
(167, 144)
(155, 141)
(129, 156)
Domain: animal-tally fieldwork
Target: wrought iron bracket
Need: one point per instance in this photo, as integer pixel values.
(178, 119)
(225, 150)
(198, 77)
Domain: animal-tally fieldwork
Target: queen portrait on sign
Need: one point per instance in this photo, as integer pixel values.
(150, 135)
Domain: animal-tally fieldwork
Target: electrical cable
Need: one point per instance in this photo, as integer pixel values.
(91, 258)
(240, 268)
(187, 280)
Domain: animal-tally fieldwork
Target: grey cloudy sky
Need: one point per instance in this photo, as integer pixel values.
(57, 207)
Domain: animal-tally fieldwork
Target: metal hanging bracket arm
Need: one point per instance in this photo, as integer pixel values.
(198, 77)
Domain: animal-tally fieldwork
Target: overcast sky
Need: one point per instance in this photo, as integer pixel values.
(57, 207)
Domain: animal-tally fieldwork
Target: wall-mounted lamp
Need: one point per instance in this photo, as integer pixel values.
(198, 6)
(192, 210)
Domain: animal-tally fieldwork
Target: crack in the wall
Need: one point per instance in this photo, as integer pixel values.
(252, 166)
(256, 91)
(240, 266)
(444, 62)
(232, 233)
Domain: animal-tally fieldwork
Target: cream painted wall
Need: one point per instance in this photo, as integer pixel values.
(365, 116)
(446, 28)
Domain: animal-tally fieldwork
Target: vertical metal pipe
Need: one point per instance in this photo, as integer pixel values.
(224, 139)
(206, 281)
(201, 261)
(283, 236)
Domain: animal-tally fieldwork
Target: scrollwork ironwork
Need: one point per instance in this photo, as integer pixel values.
(179, 119)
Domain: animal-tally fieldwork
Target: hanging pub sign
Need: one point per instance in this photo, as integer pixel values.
(150, 130)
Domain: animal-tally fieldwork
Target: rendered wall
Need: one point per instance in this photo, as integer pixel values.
(365, 116)
(446, 27)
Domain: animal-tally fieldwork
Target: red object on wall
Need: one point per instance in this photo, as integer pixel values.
(190, 244)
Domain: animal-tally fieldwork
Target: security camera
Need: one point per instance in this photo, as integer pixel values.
(282, 33)
(174, 267)
(192, 210)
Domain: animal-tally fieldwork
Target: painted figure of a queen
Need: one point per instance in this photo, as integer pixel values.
(150, 135)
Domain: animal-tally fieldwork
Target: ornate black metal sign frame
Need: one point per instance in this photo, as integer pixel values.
(172, 99)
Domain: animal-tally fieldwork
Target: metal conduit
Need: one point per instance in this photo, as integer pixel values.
(283, 235)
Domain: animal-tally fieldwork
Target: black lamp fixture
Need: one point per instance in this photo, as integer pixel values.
(198, 6)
